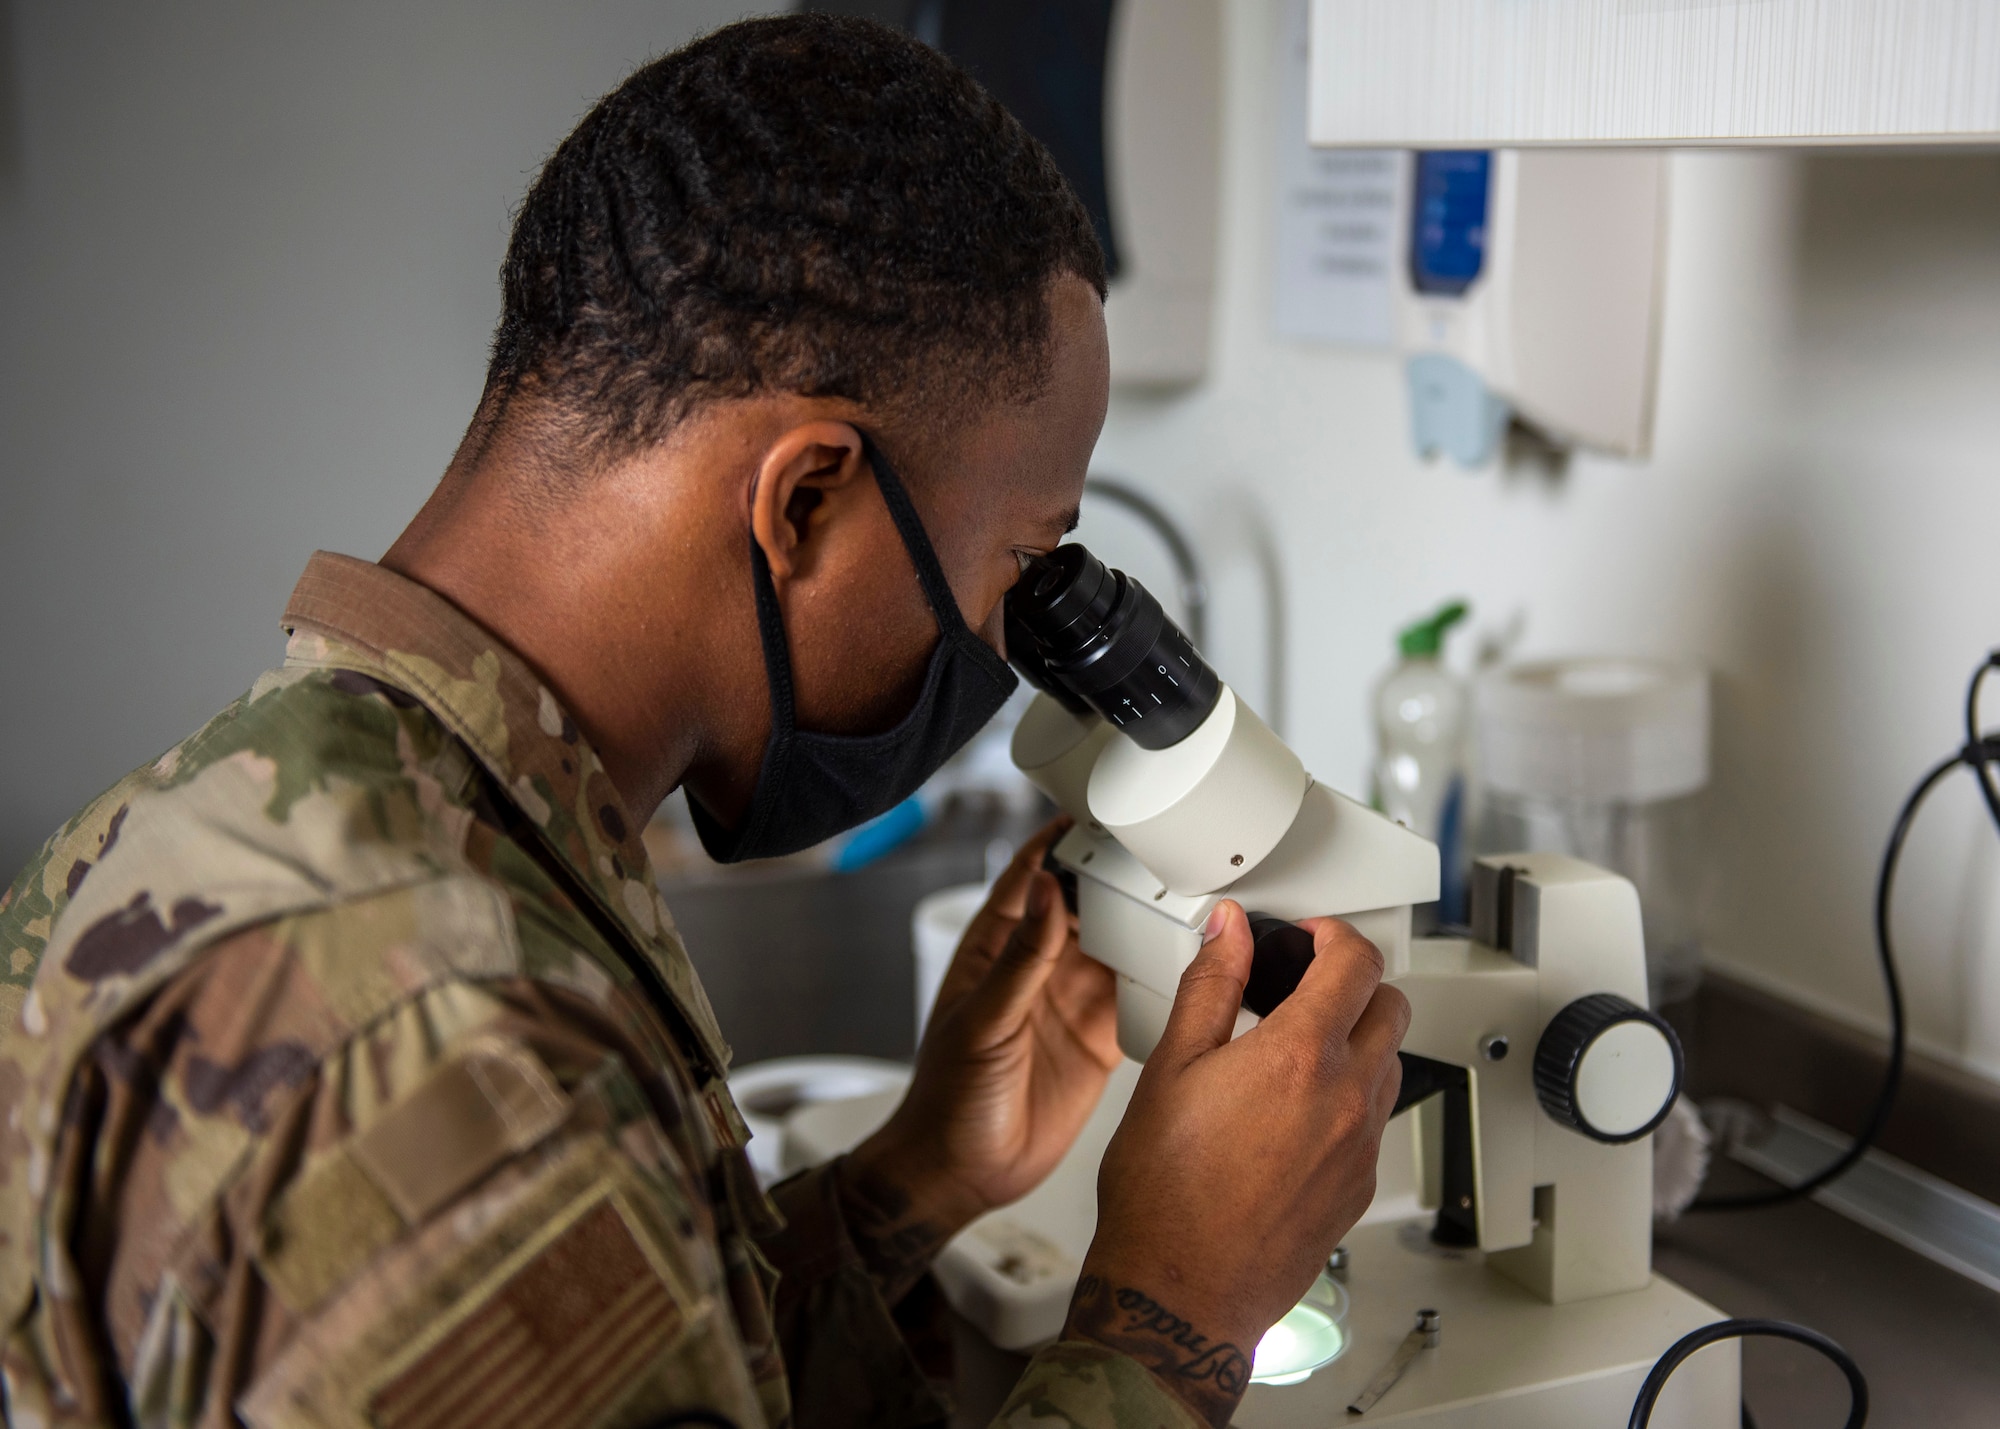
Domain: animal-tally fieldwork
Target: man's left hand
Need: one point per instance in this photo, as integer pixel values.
(1019, 1046)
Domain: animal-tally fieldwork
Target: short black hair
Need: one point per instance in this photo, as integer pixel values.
(809, 203)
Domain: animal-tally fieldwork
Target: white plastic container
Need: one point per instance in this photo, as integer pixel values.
(937, 925)
(769, 1094)
(1605, 760)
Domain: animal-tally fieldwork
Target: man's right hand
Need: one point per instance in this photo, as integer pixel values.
(1240, 1164)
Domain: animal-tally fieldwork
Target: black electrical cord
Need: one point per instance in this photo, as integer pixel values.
(1979, 752)
(1649, 1392)
(1974, 740)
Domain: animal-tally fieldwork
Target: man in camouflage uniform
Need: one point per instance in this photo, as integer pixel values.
(353, 1072)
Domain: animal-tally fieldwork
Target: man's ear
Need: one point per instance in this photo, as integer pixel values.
(790, 506)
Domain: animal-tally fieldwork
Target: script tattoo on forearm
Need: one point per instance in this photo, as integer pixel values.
(896, 1245)
(1210, 1375)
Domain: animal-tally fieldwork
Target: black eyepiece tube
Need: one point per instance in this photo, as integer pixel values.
(1024, 652)
(1099, 635)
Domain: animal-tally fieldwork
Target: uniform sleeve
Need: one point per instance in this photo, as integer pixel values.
(1074, 1385)
(850, 1360)
(502, 1249)
(485, 1208)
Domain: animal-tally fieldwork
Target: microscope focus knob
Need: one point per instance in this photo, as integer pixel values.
(1608, 1068)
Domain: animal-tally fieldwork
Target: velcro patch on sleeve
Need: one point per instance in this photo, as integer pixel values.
(485, 1104)
(326, 1225)
(491, 1102)
(553, 1341)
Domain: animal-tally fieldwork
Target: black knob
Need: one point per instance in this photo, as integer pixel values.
(1280, 953)
(1608, 1068)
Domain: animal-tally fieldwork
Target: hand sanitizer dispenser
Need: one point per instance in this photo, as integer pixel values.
(1531, 288)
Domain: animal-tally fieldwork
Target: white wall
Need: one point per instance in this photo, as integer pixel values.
(247, 277)
(1817, 523)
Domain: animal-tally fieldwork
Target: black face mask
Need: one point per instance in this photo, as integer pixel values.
(813, 786)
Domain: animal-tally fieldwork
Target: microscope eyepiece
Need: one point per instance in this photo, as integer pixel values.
(1088, 634)
(1024, 652)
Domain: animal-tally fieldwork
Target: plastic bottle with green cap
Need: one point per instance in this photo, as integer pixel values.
(1421, 710)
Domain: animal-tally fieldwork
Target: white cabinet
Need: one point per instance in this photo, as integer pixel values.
(1163, 134)
(1510, 73)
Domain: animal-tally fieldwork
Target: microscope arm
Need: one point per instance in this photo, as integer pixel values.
(1535, 1071)
(1471, 1008)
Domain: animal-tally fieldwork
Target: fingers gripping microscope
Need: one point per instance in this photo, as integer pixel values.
(1534, 1068)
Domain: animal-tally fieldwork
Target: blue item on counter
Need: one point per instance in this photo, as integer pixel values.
(880, 836)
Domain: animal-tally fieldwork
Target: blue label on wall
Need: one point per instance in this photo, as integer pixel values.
(1448, 220)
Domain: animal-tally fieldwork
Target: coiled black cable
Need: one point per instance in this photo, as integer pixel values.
(1979, 752)
(1649, 1392)
(1974, 740)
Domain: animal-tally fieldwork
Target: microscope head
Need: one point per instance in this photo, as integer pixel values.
(1181, 794)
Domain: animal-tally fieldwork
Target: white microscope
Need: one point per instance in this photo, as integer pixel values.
(1534, 1068)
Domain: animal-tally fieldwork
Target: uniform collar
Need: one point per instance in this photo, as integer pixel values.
(347, 612)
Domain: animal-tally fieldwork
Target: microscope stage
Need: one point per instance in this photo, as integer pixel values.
(1506, 1359)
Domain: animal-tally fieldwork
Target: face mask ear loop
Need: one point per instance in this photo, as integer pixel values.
(916, 541)
(771, 634)
(778, 679)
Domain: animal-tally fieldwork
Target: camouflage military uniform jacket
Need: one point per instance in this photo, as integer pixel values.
(353, 1073)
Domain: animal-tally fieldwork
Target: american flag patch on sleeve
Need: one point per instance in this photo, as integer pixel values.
(553, 1343)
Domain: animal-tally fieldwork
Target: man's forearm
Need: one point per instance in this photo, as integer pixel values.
(1208, 1375)
(896, 1240)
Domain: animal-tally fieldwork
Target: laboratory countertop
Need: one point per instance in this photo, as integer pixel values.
(1927, 1338)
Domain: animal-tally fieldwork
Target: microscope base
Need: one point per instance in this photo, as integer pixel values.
(1507, 1360)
